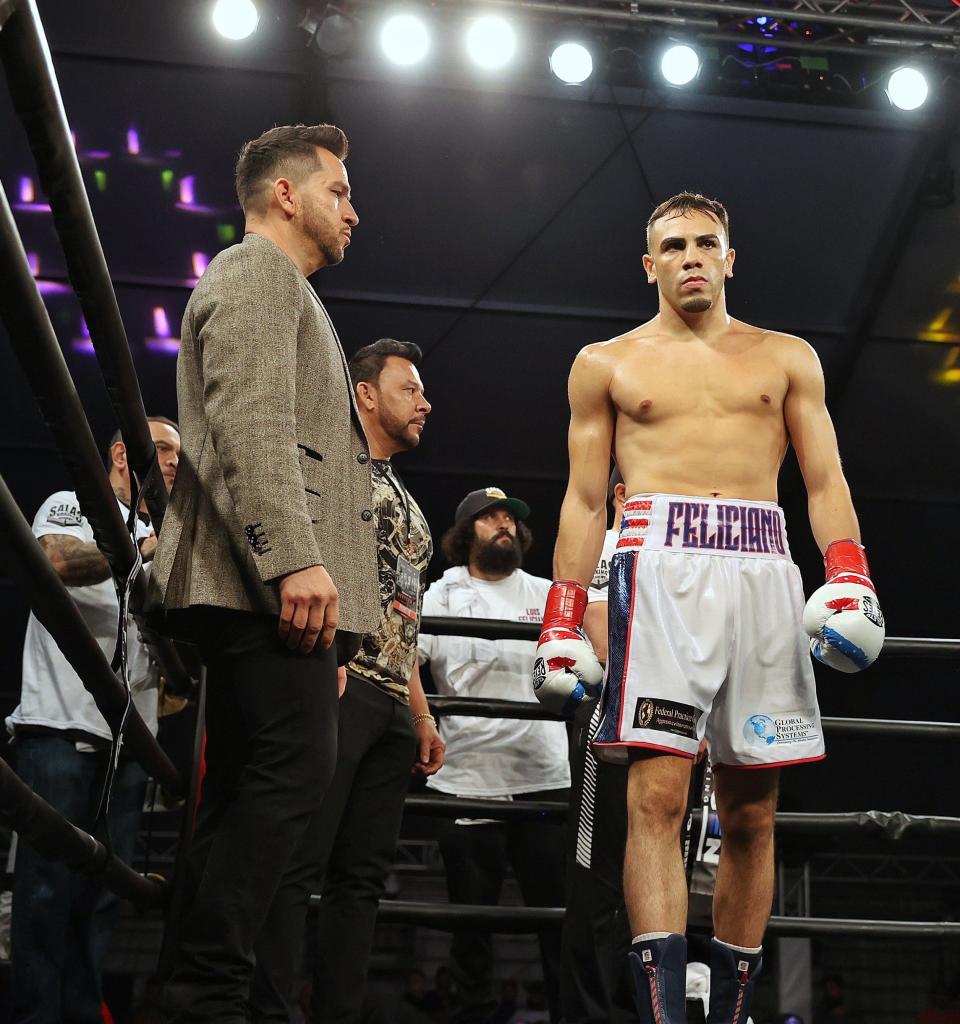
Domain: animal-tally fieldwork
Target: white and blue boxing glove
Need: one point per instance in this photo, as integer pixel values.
(843, 618)
(566, 671)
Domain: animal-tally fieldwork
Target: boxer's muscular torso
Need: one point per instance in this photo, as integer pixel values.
(700, 415)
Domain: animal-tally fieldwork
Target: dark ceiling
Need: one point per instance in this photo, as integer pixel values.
(501, 228)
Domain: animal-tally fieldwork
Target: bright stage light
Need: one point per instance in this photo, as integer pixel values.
(680, 65)
(405, 39)
(235, 19)
(907, 88)
(571, 63)
(491, 42)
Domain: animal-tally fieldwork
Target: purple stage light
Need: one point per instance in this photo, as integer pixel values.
(165, 346)
(188, 197)
(162, 340)
(133, 142)
(83, 344)
(27, 194)
(161, 325)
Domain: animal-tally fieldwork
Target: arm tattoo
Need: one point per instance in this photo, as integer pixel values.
(78, 564)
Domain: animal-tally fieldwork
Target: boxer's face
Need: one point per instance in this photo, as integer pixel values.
(327, 216)
(689, 260)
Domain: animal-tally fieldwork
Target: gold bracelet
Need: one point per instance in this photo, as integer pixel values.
(417, 719)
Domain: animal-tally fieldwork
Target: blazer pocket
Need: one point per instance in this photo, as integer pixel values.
(310, 453)
(314, 481)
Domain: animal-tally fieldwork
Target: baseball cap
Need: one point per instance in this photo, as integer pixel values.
(487, 497)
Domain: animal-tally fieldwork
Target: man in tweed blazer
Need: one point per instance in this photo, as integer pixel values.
(267, 549)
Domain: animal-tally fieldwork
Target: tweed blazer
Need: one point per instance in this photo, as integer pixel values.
(274, 471)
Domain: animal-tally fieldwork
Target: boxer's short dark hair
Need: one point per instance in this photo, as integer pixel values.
(287, 151)
(684, 202)
(367, 363)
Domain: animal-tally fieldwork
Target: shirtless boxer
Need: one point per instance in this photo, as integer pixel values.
(705, 605)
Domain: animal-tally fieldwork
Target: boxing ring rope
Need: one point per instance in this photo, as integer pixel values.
(51, 835)
(504, 629)
(483, 707)
(36, 99)
(890, 825)
(524, 920)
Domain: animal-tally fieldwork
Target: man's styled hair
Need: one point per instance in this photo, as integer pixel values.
(455, 543)
(118, 436)
(368, 362)
(287, 151)
(683, 202)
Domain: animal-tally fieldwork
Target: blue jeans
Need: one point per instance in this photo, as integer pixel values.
(61, 919)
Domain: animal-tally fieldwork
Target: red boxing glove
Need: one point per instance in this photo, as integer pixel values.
(566, 670)
(846, 562)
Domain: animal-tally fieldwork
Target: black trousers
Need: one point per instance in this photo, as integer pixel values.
(476, 858)
(596, 987)
(270, 755)
(346, 855)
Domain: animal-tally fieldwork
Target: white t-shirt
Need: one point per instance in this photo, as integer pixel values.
(51, 693)
(491, 757)
(601, 578)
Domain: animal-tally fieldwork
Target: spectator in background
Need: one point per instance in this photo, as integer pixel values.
(62, 919)
(495, 758)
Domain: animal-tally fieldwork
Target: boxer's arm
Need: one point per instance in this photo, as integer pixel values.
(583, 516)
(814, 439)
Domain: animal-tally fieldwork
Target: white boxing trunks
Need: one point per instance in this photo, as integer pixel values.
(705, 636)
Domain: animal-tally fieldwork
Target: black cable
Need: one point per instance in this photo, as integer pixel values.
(124, 589)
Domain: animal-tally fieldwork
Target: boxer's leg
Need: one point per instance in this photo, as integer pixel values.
(655, 883)
(747, 804)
